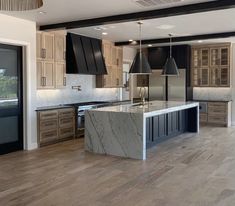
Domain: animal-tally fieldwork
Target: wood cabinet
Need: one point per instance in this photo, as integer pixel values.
(218, 113)
(211, 65)
(51, 65)
(114, 63)
(55, 125)
(45, 75)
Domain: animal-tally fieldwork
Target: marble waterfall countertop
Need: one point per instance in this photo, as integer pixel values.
(151, 108)
(122, 130)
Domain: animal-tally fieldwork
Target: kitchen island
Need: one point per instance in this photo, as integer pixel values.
(129, 130)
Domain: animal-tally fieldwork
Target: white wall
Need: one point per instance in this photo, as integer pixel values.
(23, 33)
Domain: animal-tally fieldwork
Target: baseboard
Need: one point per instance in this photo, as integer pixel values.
(32, 146)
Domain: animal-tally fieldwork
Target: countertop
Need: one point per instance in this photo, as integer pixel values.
(197, 100)
(62, 106)
(150, 108)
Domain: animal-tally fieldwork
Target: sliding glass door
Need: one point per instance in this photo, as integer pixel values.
(11, 100)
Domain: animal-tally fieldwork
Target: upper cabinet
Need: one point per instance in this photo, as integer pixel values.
(50, 60)
(113, 57)
(211, 65)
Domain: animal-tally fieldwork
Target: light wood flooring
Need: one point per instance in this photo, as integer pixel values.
(190, 170)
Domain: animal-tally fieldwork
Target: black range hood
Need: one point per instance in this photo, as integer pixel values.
(84, 55)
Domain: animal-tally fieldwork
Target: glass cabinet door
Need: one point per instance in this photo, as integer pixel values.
(196, 77)
(215, 76)
(205, 77)
(214, 57)
(224, 56)
(224, 76)
(205, 57)
(196, 58)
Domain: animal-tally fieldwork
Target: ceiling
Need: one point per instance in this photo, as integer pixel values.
(57, 11)
(185, 25)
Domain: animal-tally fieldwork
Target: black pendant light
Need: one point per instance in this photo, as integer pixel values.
(140, 64)
(170, 68)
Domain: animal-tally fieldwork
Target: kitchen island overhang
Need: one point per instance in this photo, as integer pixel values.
(128, 130)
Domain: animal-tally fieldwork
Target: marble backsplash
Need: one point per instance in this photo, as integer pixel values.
(213, 94)
(67, 95)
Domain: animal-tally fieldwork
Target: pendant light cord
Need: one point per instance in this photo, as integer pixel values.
(170, 45)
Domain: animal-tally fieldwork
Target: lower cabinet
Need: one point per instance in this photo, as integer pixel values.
(55, 125)
(162, 127)
(218, 113)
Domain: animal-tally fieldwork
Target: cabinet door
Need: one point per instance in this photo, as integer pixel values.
(195, 58)
(48, 46)
(49, 75)
(60, 76)
(205, 77)
(120, 57)
(39, 49)
(108, 77)
(60, 47)
(215, 76)
(196, 77)
(107, 52)
(224, 76)
(204, 57)
(40, 75)
(114, 56)
(224, 56)
(214, 57)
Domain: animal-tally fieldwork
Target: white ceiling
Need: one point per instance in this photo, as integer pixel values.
(68, 10)
(184, 25)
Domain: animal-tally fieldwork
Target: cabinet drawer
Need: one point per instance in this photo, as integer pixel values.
(220, 119)
(53, 114)
(203, 117)
(217, 104)
(48, 125)
(66, 112)
(217, 110)
(48, 136)
(66, 132)
(66, 122)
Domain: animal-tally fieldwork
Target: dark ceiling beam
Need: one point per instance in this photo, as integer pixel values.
(181, 39)
(153, 14)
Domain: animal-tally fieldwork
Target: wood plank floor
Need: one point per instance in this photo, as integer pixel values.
(190, 170)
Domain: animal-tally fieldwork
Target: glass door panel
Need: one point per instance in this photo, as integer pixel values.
(11, 111)
(215, 60)
(205, 57)
(224, 57)
(215, 77)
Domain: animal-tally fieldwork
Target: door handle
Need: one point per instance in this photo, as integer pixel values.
(64, 81)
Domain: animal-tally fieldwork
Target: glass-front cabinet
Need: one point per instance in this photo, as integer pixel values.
(211, 65)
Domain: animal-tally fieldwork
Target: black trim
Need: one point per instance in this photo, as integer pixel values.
(17, 145)
(181, 39)
(160, 13)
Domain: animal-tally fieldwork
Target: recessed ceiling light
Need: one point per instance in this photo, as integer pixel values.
(199, 41)
(165, 26)
(130, 40)
(104, 33)
(42, 12)
(150, 45)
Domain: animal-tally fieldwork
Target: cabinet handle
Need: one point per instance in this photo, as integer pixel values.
(64, 81)
(43, 53)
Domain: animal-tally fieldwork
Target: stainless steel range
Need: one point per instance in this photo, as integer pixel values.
(80, 113)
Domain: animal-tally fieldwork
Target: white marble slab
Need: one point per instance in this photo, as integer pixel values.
(121, 130)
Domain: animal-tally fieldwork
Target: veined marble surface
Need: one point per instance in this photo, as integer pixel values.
(151, 108)
(121, 130)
